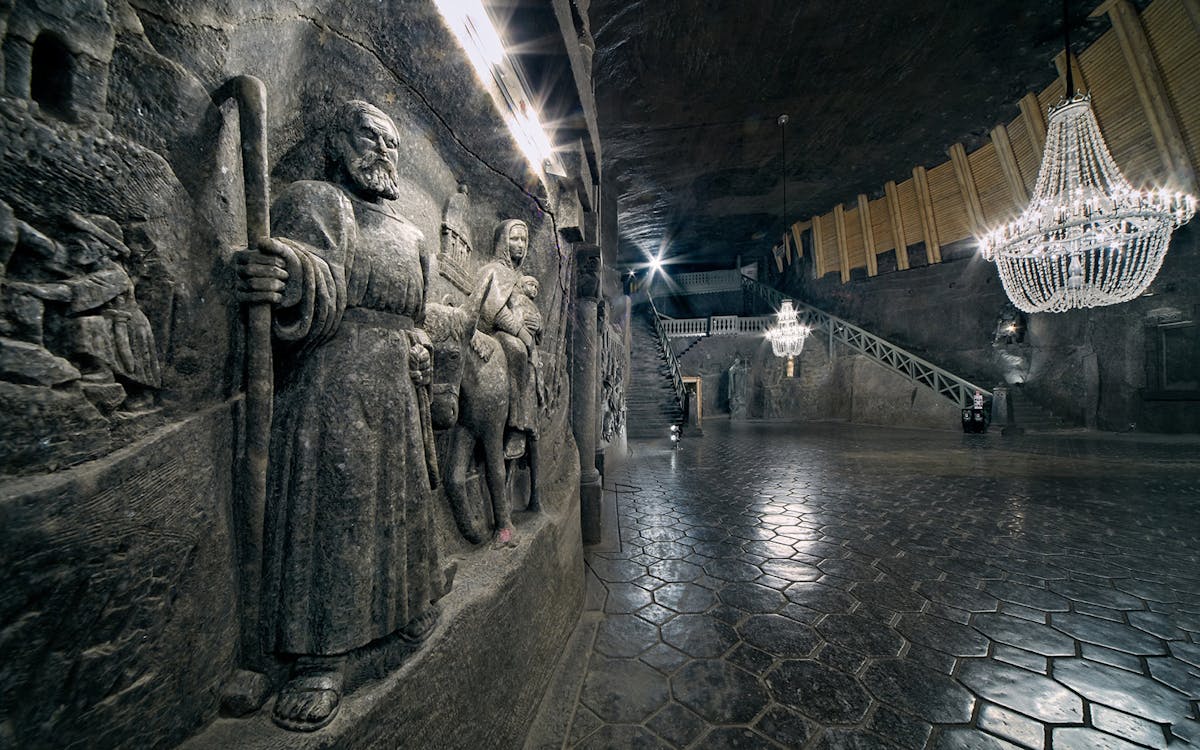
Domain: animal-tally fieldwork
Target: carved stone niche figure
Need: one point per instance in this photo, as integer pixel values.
(68, 311)
(736, 388)
(350, 553)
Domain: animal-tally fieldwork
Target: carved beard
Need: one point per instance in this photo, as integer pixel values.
(374, 173)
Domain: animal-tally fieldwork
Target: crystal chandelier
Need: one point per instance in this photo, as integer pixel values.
(1087, 238)
(788, 334)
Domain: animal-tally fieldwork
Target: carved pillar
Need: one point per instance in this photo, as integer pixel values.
(584, 361)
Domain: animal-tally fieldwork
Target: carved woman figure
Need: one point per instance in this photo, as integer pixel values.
(499, 317)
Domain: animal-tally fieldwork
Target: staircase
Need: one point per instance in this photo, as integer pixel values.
(883, 352)
(651, 402)
(1031, 417)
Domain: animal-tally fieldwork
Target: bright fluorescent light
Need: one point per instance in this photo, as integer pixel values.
(473, 27)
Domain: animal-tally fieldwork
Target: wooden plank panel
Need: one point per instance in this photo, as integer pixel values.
(1033, 117)
(829, 247)
(1152, 93)
(868, 234)
(798, 230)
(967, 189)
(839, 230)
(1050, 96)
(1008, 165)
(1028, 158)
(818, 254)
(881, 225)
(910, 211)
(1192, 8)
(933, 248)
(949, 210)
(1173, 30)
(1119, 112)
(896, 221)
(998, 204)
(855, 250)
(1077, 72)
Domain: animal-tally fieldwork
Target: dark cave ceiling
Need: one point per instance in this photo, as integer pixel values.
(689, 92)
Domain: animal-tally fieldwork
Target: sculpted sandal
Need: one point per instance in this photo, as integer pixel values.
(308, 702)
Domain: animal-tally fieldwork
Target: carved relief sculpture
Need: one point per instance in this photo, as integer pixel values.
(349, 550)
(612, 385)
(499, 391)
(454, 259)
(69, 312)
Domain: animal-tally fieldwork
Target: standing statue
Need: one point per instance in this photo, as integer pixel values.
(350, 553)
(736, 388)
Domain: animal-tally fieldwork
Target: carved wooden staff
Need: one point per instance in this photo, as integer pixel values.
(251, 97)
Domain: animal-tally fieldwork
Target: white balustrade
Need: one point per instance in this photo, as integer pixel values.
(685, 327)
(723, 325)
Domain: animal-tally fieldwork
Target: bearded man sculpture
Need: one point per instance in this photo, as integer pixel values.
(350, 552)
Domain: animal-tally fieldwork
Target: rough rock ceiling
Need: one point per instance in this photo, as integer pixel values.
(689, 92)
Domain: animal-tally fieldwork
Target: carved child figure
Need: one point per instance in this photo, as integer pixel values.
(524, 305)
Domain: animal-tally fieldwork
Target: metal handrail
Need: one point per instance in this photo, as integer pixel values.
(672, 363)
(880, 350)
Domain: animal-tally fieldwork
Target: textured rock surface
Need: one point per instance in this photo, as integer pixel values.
(689, 92)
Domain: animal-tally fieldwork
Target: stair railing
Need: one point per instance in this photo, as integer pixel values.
(879, 350)
(672, 362)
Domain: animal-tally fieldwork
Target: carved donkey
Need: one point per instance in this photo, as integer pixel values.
(471, 400)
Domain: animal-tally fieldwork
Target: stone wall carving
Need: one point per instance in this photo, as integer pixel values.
(494, 343)
(455, 261)
(612, 379)
(92, 228)
(70, 313)
(350, 551)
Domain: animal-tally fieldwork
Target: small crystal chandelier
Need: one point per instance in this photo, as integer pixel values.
(1087, 238)
(788, 334)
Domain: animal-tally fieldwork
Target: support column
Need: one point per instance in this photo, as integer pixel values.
(584, 362)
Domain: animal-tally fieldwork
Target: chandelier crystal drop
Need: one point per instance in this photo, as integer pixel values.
(1087, 238)
(788, 334)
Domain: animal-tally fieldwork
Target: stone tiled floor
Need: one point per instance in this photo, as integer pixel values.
(833, 586)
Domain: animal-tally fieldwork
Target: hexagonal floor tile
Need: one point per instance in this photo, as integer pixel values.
(623, 690)
(819, 692)
(701, 636)
(719, 692)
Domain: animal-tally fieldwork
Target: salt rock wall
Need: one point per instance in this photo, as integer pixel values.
(121, 354)
(844, 387)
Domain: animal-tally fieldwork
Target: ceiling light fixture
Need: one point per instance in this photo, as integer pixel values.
(472, 26)
(1087, 238)
(788, 334)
